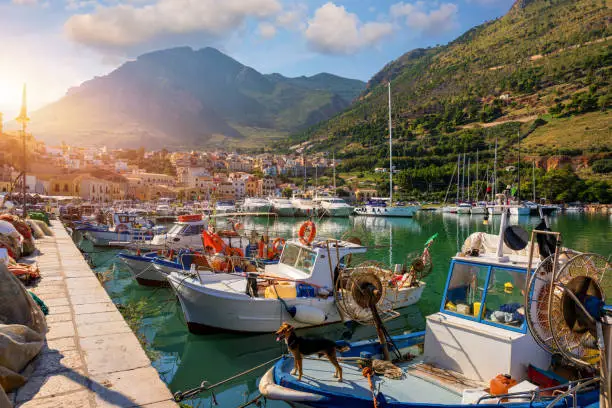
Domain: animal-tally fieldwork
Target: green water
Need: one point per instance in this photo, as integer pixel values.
(184, 360)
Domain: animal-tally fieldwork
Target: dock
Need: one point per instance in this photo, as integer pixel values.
(91, 357)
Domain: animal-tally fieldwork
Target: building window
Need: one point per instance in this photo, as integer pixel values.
(65, 187)
(56, 188)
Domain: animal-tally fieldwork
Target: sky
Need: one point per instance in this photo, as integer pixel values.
(53, 45)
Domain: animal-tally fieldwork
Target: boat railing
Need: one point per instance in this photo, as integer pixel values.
(534, 395)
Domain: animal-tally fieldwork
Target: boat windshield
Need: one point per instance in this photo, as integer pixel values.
(299, 258)
(176, 229)
(499, 289)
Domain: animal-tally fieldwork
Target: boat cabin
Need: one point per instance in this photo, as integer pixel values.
(311, 263)
(480, 330)
(186, 232)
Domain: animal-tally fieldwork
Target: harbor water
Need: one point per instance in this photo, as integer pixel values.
(184, 360)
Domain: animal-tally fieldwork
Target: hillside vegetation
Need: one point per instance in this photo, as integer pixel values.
(540, 73)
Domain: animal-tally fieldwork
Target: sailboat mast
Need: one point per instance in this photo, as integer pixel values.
(533, 180)
(518, 192)
(458, 176)
(495, 171)
(463, 180)
(477, 176)
(468, 184)
(390, 151)
(334, 166)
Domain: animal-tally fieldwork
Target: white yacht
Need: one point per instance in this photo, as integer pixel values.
(380, 207)
(256, 205)
(479, 209)
(464, 208)
(283, 207)
(225, 206)
(305, 207)
(334, 206)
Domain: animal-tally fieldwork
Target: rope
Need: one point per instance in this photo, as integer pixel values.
(181, 395)
(367, 372)
(253, 401)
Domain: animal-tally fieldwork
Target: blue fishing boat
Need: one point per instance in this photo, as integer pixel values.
(524, 325)
(122, 227)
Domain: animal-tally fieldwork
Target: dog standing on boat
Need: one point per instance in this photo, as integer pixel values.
(300, 347)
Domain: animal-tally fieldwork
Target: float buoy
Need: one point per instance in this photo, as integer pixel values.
(307, 232)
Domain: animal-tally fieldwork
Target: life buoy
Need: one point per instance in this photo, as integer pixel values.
(237, 226)
(307, 232)
(121, 228)
(277, 245)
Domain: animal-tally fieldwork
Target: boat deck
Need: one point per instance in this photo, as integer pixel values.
(415, 386)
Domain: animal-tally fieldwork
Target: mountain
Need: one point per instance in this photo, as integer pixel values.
(541, 72)
(183, 97)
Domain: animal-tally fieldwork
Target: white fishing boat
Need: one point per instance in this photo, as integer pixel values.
(141, 268)
(257, 205)
(301, 289)
(380, 207)
(123, 227)
(334, 206)
(283, 207)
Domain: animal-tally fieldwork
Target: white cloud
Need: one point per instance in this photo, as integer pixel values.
(128, 25)
(25, 2)
(266, 30)
(431, 21)
(293, 18)
(333, 30)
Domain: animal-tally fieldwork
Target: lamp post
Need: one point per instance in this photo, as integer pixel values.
(23, 119)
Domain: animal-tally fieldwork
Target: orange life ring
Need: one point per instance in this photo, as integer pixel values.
(277, 245)
(190, 218)
(237, 226)
(306, 239)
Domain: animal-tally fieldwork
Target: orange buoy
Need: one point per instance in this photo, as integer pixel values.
(307, 232)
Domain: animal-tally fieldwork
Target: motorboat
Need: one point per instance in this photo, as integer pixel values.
(299, 288)
(479, 209)
(381, 207)
(283, 207)
(256, 205)
(141, 267)
(123, 227)
(225, 206)
(520, 210)
(334, 206)
(464, 208)
(489, 343)
(305, 207)
(449, 209)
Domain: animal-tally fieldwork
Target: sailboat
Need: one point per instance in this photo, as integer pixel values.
(384, 207)
(519, 208)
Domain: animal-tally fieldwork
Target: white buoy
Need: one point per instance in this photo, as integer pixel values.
(309, 314)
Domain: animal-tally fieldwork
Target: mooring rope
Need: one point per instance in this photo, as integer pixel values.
(204, 386)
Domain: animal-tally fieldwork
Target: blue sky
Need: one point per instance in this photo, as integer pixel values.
(56, 44)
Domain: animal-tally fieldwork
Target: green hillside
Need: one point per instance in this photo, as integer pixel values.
(541, 71)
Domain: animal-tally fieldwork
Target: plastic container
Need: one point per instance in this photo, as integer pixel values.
(305, 290)
(476, 307)
(285, 290)
(501, 384)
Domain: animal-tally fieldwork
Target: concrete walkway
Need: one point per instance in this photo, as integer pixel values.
(92, 358)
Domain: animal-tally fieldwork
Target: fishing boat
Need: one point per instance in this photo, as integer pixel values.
(139, 265)
(334, 206)
(257, 205)
(301, 288)
(123, 227)
(283, 207)
(488, 343)
(380, 207)
(385, 207)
